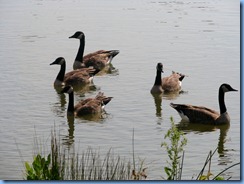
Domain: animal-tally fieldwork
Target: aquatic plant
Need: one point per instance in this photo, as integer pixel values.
(63, 165)
(175, 167)
(174, 148)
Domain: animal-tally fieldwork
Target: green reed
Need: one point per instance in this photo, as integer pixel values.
(61, 164)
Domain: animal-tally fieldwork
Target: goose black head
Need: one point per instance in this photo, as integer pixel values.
(160, 67)
(226, 88)
(58, 61)
(78, 35)
(67, 89)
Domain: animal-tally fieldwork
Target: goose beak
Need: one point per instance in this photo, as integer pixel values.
(53, 63)
(73, 36)
(234, 89)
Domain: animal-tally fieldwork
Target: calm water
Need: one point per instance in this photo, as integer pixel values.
(199, 38)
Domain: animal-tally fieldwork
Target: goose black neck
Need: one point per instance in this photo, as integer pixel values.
(222, 106)
(61, 72)
(158, 78)
(79, 56)
(71, 102)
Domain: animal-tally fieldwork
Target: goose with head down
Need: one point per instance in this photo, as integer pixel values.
(168, 84)
(99, 59)
(200, 114)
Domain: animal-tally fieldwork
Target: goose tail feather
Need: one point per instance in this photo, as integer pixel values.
(114, 52)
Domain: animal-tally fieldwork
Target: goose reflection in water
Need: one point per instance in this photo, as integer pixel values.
(200, 128)
(158, 104)
(80, 89)
(68, 140)
(59, 106)
(173, 95)
(167, 96)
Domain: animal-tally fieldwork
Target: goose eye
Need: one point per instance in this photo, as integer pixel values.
(225, 89)
(61, 61)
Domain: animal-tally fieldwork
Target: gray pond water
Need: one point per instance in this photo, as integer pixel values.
(200, 38)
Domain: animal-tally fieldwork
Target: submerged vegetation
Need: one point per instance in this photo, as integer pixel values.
(90, 165)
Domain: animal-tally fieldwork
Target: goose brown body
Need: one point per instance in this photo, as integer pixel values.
(76, 77)
(171, 83)
(200, 114)
(99, 59)
(88, 106)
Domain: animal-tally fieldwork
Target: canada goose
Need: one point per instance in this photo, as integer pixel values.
(87, 106)
(98, 59)
(171, 83)
(75, 77)
(199, 114)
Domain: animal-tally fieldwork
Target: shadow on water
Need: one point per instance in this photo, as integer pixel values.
(201, 128)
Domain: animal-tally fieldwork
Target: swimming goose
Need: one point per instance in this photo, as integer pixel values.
(98, 59)
(75, 77)
(171, 83)
(87, 106)
(199, 114)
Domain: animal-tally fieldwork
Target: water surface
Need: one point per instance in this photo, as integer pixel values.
(199, 38)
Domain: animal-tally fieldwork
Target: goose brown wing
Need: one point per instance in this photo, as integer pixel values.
(83, 71)
(79, 76)
(196, 113)
(82, 103)
(88, 56)
(99, 59)
(101, 53)
(171, 83)
(89, 106)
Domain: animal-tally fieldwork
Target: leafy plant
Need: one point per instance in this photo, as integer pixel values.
(66, 165)
(40, 169)
(174, 148)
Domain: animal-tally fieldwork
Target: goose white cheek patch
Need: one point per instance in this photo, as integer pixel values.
(183, 116)
(70, 90)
